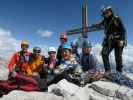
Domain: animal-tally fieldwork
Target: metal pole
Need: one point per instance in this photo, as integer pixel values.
(84, 18)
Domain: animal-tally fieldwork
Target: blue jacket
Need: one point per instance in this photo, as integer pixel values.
(88, 61)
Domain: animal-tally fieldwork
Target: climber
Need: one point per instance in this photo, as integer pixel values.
(68, 66)
(37, 69)
(35, 63)
(63, 40)
(19, 61)
(75, 53)
(51, 61)
(18, 80)
(115, 38)
(89, 63)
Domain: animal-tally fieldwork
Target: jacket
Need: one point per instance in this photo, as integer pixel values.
(88, 61)
(35, 65)
(19, 62)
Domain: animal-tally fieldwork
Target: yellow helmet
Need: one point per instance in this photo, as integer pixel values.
(24, 42)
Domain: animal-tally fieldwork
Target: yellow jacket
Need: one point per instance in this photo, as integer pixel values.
(35, 65)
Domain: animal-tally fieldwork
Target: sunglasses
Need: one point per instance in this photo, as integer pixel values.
(61, 38)
(105, 13)
(52, 52)
(24, 46)
(36, 52)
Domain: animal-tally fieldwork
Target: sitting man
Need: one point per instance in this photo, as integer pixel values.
(36, 63)
(37, 69)
(89, 64)
(68, 66)
(19, 61)
(75, 53)
(63, 40)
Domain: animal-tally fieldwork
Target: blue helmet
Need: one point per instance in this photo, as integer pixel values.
(74, 43)
(66, 46)
(87, 44)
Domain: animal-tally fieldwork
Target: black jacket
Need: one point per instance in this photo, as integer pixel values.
(113, 26)
(59, 56)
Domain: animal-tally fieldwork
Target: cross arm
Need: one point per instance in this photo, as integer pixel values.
(88, 29)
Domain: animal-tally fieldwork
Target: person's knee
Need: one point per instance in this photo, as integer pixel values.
(104, 53)
(118, 59)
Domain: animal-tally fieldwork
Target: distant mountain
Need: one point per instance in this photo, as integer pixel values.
(127, 57)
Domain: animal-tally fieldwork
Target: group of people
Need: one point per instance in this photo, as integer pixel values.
(31, 71)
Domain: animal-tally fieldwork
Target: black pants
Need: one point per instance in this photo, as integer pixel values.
(108, 46)
(41, 82)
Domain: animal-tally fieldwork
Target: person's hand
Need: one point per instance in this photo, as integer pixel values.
(35, 74)
(61, 67)
(121, 43)
(12, 74)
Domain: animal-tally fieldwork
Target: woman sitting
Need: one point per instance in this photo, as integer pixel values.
(68, 66)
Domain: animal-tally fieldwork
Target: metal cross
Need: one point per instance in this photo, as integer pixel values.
(85, 27)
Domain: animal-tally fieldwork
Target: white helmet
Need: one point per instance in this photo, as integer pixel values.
(51, 49)
(104, 9)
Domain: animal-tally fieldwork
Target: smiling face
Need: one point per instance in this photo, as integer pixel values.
(66, 54)
(62, 40)
(24, 48)
(37, 54)
(52, 54)
(87, 50)
(108, 14)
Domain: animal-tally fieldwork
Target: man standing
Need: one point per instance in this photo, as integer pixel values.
(115, 38)
(63, 40)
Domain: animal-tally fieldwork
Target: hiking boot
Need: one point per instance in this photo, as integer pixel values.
(2, 92)
(119, 70)
(1, 95)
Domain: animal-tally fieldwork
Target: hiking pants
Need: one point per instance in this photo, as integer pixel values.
(108, 46)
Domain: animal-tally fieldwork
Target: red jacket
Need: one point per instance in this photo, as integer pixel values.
(19, 61)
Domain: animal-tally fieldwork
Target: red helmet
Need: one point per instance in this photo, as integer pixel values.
(64, 36)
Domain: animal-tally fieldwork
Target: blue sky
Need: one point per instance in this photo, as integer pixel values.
(24, 18)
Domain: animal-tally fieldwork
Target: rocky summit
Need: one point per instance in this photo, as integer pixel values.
(103, 89)
(64, 90)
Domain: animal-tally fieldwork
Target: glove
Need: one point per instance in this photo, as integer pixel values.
(121, 43)
(12, 74)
